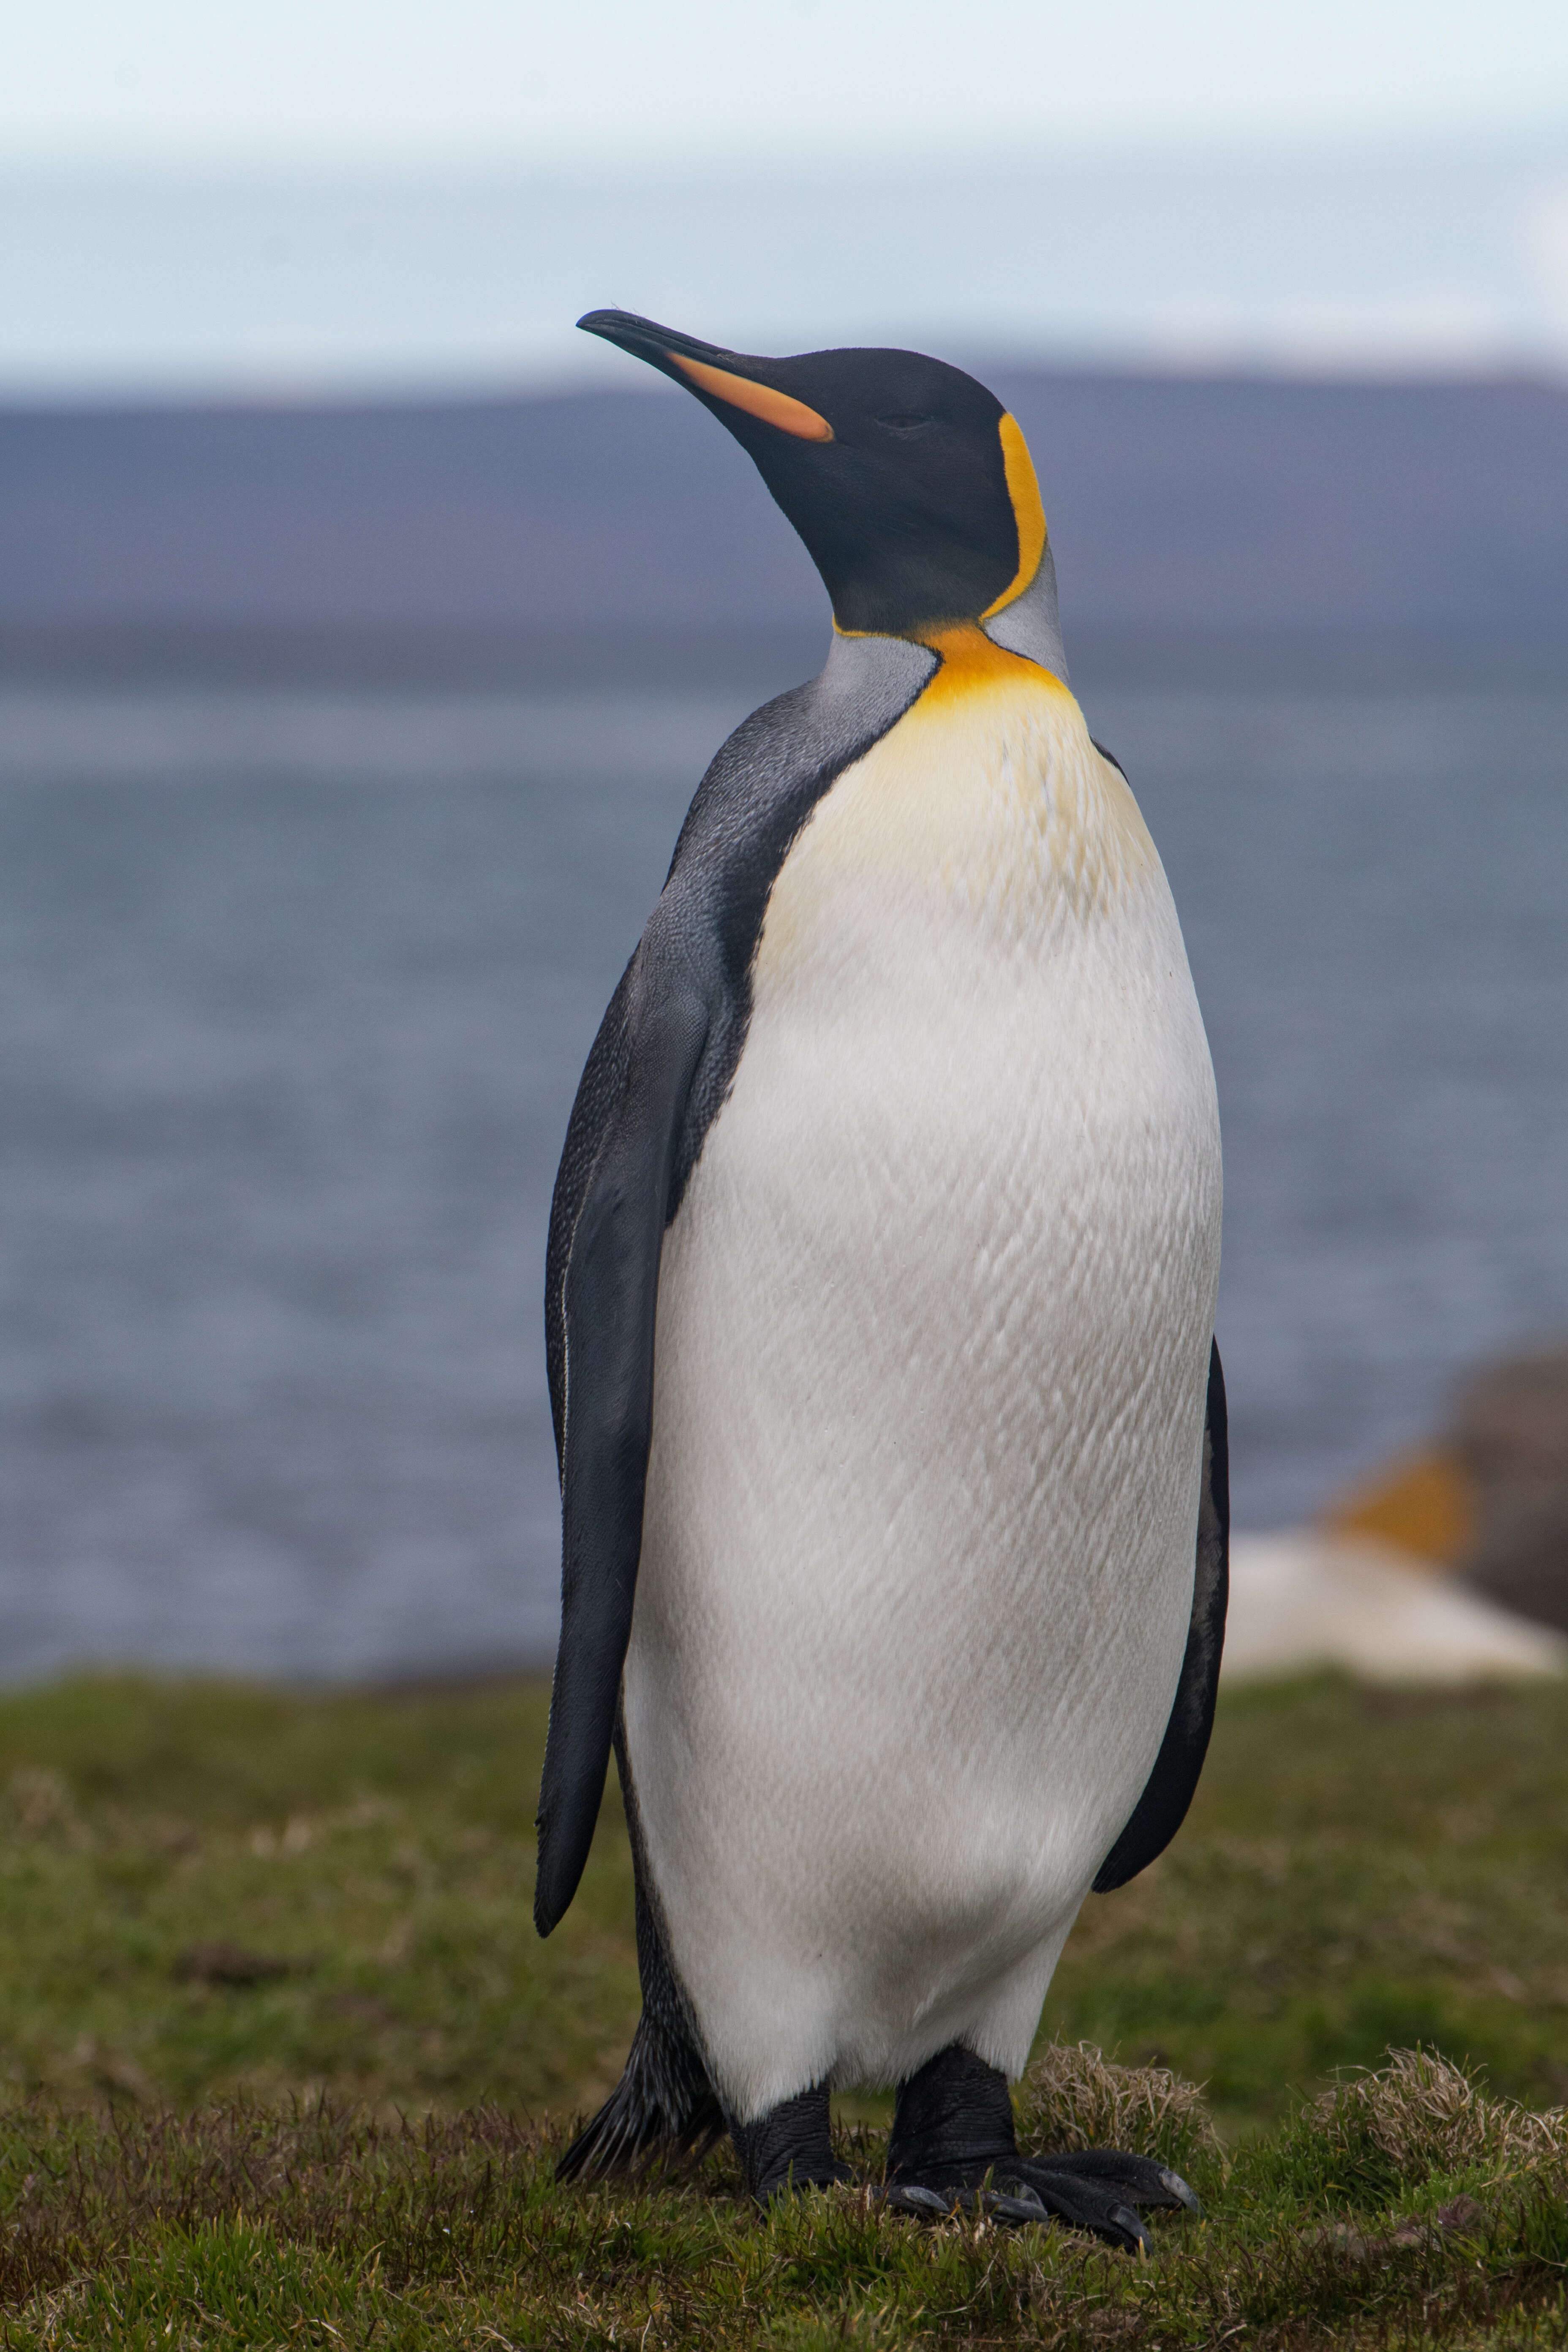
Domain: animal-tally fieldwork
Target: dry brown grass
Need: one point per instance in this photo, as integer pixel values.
(1427, 2115)
(1072, 2097)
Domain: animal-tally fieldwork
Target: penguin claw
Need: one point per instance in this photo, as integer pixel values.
(1020, 2205)
(1180, 2190)
(920, 2204)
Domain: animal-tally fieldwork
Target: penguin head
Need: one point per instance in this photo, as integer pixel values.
(909, 482)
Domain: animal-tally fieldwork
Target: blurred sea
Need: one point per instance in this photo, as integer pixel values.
(296, 988)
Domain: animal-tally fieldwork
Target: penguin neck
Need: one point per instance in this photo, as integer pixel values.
(971, 662)
(1030, 624)
(1023, 635)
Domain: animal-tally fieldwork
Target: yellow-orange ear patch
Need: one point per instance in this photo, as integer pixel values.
(1028, 512)
(761, 400)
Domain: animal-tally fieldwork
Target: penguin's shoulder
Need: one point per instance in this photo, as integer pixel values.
(759, 792)
(765, 781)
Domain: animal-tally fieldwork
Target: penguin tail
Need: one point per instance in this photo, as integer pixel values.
(664, 2105)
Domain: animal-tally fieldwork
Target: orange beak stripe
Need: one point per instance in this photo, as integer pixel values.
(756, 399)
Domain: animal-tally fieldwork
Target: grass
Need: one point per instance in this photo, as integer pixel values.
(286, 2064)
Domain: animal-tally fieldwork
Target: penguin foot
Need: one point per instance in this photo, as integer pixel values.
(1141, 2179)
(954, 2148)
(1020, 2199)
(789, 2148)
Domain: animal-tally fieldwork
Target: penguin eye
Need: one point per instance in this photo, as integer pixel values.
(905, 425)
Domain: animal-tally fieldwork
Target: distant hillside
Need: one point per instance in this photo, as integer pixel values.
(1184, 510)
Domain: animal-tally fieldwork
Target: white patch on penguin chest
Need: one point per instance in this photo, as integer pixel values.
(932, 1342)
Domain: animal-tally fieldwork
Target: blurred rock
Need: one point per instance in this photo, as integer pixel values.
(1510, 1439)
(1423, 1502)
(1302, 1599)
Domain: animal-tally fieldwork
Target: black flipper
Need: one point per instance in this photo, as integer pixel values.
(609, 1294)
(1162, 1807)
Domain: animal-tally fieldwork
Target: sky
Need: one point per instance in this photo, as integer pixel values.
(337, 196)
(692, 83)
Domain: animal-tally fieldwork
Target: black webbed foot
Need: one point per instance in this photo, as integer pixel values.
(953, 2148)
(1098, 2206)
(1023, 2197)
(789, 2148)
(1143, 2179)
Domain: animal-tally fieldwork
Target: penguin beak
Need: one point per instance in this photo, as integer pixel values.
(720, 379)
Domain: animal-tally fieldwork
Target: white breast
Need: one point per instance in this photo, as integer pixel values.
(934, 1329)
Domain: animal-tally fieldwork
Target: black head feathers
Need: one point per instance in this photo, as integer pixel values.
(907, 481)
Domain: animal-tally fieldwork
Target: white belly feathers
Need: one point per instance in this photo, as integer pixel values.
(933, 1341)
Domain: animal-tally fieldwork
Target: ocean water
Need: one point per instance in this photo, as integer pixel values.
(295, 990)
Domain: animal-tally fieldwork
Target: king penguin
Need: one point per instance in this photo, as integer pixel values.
(881, 1296)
